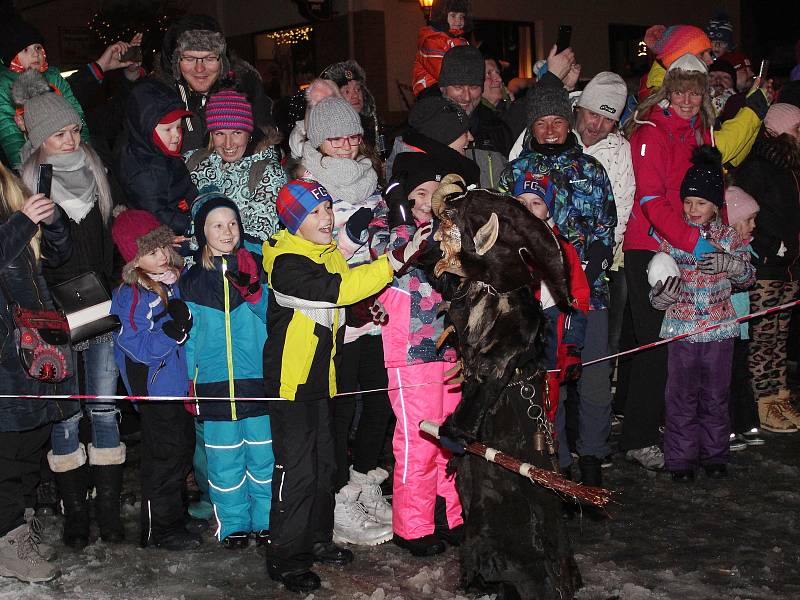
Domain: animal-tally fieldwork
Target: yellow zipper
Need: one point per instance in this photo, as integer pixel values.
(228, 343)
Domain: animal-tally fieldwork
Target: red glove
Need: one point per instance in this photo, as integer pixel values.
(246, 280)
(378, 312)
(569, 361)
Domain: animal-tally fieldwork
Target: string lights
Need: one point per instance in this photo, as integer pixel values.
(288, 37)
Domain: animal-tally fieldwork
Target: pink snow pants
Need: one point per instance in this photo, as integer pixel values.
(419, 472)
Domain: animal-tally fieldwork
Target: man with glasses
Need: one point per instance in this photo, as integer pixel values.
(195, 61)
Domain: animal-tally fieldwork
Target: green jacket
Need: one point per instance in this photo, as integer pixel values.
(11, 138)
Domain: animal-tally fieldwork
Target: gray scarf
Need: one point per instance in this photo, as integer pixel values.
(74, 187)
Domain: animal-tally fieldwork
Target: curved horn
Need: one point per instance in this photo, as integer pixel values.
(450, 184)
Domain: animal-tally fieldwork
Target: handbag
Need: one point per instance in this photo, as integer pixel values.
(87, 306)
(42, 339)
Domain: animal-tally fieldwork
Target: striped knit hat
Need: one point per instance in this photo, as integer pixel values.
(297, 199)
(229, 109)
(669, 43)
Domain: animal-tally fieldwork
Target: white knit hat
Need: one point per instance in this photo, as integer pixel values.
(660, 267)
(605, 95)
(332, 117)
(689, 62)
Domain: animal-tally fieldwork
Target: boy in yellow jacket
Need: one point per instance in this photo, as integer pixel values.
(310, 285)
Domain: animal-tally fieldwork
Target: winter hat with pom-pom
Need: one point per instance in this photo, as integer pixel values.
(669, 43)
(704, 178)
(739, 205)
(45, 111)
(332, 118)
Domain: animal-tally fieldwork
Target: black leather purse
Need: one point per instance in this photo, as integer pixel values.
(87, 304)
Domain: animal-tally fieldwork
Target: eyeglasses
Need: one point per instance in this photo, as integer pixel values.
(208, 61)
(352, 140)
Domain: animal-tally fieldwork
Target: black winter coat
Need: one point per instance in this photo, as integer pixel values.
(22, 278)
(153, 181)
(767, 175)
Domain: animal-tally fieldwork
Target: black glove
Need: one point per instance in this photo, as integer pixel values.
(452, 445)
(665, 294)
(570, 361)
(358, 222)
(398, 204)
(598, 258)
(758, 103)
(174, 330)
(179, 311)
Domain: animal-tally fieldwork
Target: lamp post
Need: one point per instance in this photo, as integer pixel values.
(426, 6)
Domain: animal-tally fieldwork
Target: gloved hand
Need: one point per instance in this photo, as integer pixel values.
(758, 102)
(358, 314)
(398, 203)
(181, 323)
(721, 262)
(246, 279)
(401, 258)
(378, 312)
(358, 222)
(665, 294)
(569, 358)
(599, 257)
(452, 445)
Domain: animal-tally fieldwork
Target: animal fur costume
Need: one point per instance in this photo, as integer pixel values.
(516, 543)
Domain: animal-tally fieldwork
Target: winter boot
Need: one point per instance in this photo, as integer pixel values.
(371, 497)
(427, 545)
(771, 416)
(47, 500)
(46, 551)
(163, 525)
(591, 471)
(789, 412)
(352, 524)
(107, 464)
(329, 553)
(72, 477)
(19, 557)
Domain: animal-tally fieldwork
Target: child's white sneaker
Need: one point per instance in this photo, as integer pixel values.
(352, 524)
(371, 497)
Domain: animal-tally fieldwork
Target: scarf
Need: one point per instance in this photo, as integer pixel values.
(168, 277)
(74, 187)
(345, 179)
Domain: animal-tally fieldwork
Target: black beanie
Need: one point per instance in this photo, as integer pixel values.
(548, 99)
(724, 66)
(415, 168)
(462, 65)
(438, 118)
(704, 178)
(15, 36)
(209, 199)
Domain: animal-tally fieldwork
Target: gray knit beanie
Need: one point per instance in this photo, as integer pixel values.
(200, 40)
(546, 100)
(605, 95)
(331, 118)
(462, 65)
(45, 111)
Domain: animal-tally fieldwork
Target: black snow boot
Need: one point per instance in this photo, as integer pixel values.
(47, 500)
(591, 471)
(163, 525)
(72, 477)
(107, 464)
(427, 545)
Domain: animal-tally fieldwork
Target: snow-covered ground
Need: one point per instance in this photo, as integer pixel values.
(737, 538)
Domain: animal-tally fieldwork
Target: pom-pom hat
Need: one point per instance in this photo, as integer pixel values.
(669, 43)
(704, 178)
(45, 111)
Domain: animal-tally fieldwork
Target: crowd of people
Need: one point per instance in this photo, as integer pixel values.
(278, 318)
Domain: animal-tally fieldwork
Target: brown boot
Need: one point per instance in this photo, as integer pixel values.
(789, 412)
(771, 416)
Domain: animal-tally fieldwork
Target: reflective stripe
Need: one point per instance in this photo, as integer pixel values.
(219, 523)
(239, 445)
(280, 489)
(236, 487)
(228, 342)
(252, 443)
(405, 425)
(149, 522)
(256, 480)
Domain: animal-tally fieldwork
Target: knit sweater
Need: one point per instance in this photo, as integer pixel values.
(704, 299)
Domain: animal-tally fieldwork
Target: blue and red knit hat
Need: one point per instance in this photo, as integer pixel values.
(297, 199)
(536, 183)
(229, 109)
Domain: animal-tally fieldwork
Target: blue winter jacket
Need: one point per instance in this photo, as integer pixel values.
(150, 362)
(225, 349)
(583, 208)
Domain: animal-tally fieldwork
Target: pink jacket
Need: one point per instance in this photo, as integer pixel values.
(661, 150)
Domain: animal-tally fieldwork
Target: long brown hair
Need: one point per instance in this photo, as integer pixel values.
(676, 80)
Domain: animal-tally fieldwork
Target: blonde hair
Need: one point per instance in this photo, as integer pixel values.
(207, 258)
(676, 80)
(13, 199)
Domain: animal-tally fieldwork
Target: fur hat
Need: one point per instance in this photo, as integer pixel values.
(462, 65)
(438, 118)
(442, 7)
(211, 197)
(200, 40)
(606, 95)
(297, 199)
(138, 232)
(15, 36)
(332, 117)
(704, 178)
(546, 100)
(669, 43)
(342, 73)
(45, 111)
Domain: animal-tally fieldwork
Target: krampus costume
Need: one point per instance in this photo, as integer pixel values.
(516, 543)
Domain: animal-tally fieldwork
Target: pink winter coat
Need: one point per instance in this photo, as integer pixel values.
(661, 150)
